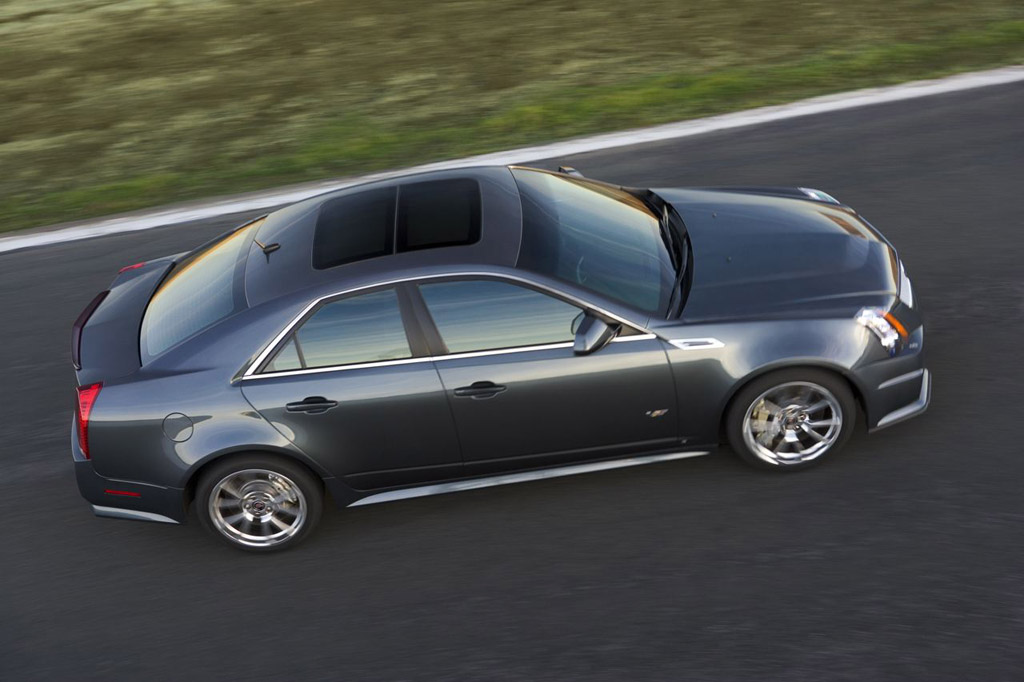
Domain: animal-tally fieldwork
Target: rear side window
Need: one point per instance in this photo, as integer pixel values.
(355, 227)
(474, 315)
(199, 292)
(380, 222)
(354, 330)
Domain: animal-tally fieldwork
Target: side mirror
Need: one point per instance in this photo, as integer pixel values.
(593, 334)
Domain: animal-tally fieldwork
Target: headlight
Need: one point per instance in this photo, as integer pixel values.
(885, 326)
(906, 289)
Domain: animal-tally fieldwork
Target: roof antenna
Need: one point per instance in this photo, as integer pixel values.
(267, 248)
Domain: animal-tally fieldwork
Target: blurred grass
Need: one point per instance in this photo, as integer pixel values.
(114, 105)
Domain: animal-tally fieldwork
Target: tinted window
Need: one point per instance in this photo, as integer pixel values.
(438, 213)
(596, 236)
(366, 328)
(200, 291)
(355, 227)
(286, 358)
(485, 314)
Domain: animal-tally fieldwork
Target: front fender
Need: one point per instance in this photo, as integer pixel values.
(708, 375)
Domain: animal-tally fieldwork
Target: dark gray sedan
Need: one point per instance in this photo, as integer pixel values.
(466, 328)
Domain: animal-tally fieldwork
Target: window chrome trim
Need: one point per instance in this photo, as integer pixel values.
(434, 358)
(409, 361)
(635, 337)
(336, 368)
(503, 351)
(250, 371)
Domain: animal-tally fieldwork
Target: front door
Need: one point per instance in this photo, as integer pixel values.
(522, 398)
(347, 389)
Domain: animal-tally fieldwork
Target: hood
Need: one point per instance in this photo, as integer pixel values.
(766, 256)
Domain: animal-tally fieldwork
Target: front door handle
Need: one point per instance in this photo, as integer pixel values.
(312, 405)
(479, 389)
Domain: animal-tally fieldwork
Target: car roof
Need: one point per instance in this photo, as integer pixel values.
(289, 268)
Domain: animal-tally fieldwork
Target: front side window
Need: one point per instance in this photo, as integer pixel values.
(200, 291)
(596, 236)
(474, 315)
(353, 330)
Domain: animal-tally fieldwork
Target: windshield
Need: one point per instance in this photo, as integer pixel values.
(599, 237)
(199, 292)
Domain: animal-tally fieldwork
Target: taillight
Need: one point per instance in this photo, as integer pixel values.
(86, 399)
(76, 330)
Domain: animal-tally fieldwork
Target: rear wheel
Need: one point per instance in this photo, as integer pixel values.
(259, 503)
(791, 419)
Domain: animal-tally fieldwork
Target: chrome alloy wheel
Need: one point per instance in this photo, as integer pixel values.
(792, 423)
(257, 507)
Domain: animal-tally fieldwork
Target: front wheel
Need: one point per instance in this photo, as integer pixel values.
(259, 503)
(791, 419)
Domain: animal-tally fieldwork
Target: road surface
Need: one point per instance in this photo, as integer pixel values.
(901, 559)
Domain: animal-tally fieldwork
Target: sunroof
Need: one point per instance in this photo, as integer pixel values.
(438, 213)
(355, 227)
(363, 225)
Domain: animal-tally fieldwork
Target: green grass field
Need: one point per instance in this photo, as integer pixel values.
(110, 105)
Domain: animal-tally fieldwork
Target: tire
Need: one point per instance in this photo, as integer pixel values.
(259, 503)
(791, 419)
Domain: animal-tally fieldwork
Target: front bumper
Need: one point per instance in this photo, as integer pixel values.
(924, 396)
(898, 388)
(114, 498)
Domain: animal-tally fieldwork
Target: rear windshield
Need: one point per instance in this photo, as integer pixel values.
(200, 291)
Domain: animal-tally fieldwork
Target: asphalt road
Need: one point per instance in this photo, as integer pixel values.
(900, 559)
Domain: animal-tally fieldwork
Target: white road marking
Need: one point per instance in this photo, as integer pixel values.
(669, 131)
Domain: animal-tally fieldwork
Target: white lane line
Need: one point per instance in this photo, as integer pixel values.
(669, 131)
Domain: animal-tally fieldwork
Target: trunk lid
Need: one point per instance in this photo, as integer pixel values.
(105, 340)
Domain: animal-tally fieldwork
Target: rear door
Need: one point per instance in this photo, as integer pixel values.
(522, 398)
(357, 393)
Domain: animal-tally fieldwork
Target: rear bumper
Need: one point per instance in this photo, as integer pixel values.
(117, 499)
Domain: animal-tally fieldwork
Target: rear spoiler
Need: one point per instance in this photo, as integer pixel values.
(76, 329)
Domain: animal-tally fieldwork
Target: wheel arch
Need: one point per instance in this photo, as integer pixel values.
(197, 471)
(809, 363)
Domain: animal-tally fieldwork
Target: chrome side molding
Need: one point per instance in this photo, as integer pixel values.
(697, 344)
(522, 477)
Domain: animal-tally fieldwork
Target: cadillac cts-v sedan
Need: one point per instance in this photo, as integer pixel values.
(463, 328)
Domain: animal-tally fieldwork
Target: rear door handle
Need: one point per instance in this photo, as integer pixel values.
(479, 389)
(312, 405)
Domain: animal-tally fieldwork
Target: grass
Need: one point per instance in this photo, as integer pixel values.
(111, 105)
